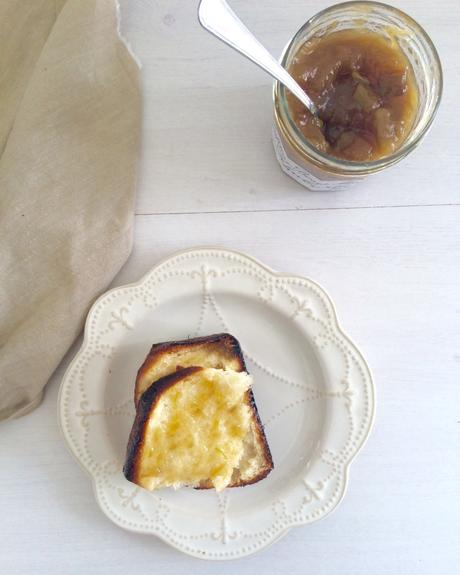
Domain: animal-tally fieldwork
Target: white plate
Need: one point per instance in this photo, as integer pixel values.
(312, 387)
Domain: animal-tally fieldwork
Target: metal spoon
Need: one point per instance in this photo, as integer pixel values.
(217, 17)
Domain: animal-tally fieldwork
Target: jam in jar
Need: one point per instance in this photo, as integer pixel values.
(364, 88)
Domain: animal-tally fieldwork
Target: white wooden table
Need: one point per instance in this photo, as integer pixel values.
(387, 251)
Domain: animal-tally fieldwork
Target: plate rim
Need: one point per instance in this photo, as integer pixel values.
(268, 269)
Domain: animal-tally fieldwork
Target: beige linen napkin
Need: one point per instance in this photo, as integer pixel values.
(69, 132)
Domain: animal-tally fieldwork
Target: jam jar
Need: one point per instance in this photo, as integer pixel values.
(376, 78)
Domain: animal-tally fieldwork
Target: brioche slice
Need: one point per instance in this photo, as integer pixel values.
(191, 429)
(221, 351)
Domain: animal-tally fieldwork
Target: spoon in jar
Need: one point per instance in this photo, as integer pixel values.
(217, 17)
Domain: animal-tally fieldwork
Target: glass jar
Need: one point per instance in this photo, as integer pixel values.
(300, 159)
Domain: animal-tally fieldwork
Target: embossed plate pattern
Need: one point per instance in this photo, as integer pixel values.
(312, 387)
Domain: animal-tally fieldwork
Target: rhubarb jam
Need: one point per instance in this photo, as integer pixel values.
(365, 91)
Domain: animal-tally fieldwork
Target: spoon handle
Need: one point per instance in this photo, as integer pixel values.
(217, 17)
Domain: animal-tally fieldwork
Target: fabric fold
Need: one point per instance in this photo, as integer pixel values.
(69, 139)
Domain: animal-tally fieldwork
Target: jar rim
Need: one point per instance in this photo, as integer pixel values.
(331, 163)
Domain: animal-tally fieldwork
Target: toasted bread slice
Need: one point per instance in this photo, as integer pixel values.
(193, 427)
(221, 351)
